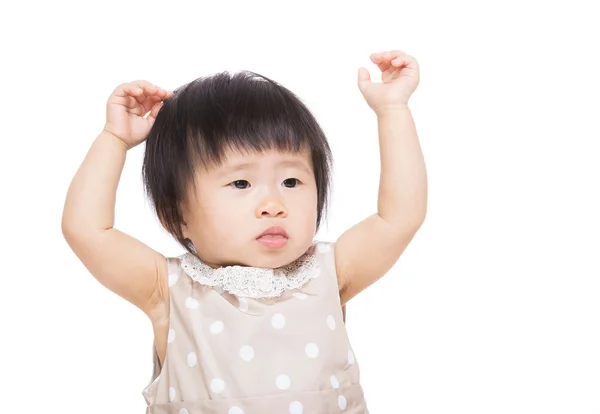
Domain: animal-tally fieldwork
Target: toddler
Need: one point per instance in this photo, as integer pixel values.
(250, 319)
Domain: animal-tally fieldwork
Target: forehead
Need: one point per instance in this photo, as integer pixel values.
(243, 159)
(234, 155)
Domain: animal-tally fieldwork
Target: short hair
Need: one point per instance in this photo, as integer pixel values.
(204, 118)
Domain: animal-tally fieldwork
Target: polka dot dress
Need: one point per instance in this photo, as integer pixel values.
(231, 354)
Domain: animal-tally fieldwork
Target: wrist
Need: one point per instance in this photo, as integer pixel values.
(387, 110)
(106, 135)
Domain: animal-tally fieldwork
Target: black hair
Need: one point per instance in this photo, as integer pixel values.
(244, 111)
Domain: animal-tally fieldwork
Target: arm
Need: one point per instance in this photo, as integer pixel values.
(121, 263)
(367, 251)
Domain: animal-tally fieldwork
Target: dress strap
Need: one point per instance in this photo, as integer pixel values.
(173, 272)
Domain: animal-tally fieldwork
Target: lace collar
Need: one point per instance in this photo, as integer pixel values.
(252, 282)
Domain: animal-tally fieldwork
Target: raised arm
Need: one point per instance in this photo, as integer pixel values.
(368, 250)
(118, 261)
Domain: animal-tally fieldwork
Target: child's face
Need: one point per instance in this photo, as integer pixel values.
(246, 195)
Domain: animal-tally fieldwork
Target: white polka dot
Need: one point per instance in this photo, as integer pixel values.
(350, 357)
(236, 410)
(331, 322)
(171, 336)
(316, 273)
(217, 327)
(342, 402)
(192, 360)
(217, 385)
(171, 393)
(283, 382)
(312, 350)
(299, 295)
(183, 411)
(323, 247)
(278, 321)
(334, 382)
(191, 303)
(243, 305)
(173, 278)
(247, 353)
(296, 408)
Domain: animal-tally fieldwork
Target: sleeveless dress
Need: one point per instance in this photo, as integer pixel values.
(246, 340)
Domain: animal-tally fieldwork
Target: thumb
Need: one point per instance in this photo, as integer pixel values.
(154, 111)
(364, 78)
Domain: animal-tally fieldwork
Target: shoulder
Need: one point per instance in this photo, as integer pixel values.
(169, 274)
(325, 251)
(324, 254)
(320, 247)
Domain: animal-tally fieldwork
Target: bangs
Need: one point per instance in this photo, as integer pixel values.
(244, 112)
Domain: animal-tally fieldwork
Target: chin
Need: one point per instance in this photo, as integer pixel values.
(274, 258)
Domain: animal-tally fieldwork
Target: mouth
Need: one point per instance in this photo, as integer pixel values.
(273, 238)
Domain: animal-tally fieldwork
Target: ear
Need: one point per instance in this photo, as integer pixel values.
(182, 213)
(184, 229)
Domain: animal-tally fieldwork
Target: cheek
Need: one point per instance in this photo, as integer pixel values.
(213, 209)
(219, 215)
(307, 205)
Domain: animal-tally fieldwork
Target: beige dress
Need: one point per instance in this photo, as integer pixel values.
(245, 340)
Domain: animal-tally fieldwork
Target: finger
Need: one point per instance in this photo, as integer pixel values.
(134, 96)
(387, 56)
(148, 89)
(134, 88)
(156, 92)
(399, 58)
(378, 55)
(147, 102)
(382, 60)
(154, 112)
(405, 61)
(152, 89)
(364, 78)
(150, 101)
(381, 63)
(143, 84)
(398, 62)
(393, 60)
(140, 87)
(376, 58)
(127, 95)
(396, 53)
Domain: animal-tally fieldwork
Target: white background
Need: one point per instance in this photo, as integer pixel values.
(495, 305)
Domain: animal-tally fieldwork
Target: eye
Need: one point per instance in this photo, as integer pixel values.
(240, 184)
(291, 182)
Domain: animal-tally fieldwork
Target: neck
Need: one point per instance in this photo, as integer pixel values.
(219, 265)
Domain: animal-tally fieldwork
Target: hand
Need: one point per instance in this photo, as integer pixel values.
(400, 78)
(126, 108)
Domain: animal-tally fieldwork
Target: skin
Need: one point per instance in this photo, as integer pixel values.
(235, 202)
(223, 221)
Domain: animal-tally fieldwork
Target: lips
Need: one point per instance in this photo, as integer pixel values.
(274, 231)
(273, 238)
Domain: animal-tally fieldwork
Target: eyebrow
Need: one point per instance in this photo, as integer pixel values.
(296, 164)
(248, 165)
(230, 169)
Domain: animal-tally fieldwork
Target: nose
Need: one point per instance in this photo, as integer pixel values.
(271, 207)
